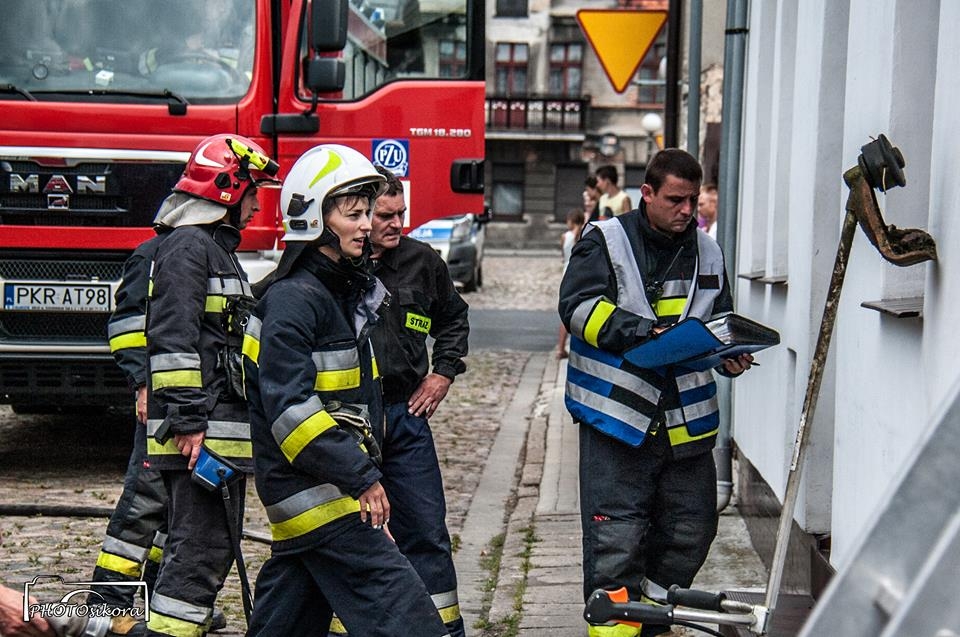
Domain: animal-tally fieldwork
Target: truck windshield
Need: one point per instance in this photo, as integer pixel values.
(200, 49)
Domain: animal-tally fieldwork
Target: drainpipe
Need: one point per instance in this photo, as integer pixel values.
(693, 77)
(734, 56)
(671, 100)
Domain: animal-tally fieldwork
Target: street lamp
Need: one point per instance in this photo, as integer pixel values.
(651, 123)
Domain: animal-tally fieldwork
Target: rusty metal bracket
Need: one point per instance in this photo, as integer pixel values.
(880, 166)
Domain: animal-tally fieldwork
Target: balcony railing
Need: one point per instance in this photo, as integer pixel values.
(541, 114)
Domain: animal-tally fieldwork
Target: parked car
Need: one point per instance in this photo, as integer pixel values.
(459, 241)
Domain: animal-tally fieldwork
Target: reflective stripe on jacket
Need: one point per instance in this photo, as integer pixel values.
(607, 392)
(300, 356)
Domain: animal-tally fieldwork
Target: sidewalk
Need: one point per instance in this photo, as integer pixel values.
(538, 588)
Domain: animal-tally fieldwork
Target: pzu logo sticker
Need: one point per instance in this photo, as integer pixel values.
(393, 154)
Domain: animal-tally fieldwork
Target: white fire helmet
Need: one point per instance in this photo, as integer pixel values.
(321, 173)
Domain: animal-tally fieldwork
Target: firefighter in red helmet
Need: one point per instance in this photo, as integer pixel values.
(198, 302)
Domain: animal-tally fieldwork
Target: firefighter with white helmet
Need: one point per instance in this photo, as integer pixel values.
(199, 297)
(314, 394)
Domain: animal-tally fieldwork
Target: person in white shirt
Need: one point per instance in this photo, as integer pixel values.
(613, 201)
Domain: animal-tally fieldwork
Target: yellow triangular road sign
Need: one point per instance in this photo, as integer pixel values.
(621, 39)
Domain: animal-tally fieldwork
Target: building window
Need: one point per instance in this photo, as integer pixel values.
(511, 8)
(652, 90)
(453, 58)
(633, 176)
(566, 69)
(508, 191)
(568, 189)
(511, 68)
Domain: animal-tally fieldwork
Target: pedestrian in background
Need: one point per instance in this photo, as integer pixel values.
(575, 221)
(707, 210)
(613, 201)
(591, 199)
(315, 400)
(424, 303)
(648, 492)
(200, 297)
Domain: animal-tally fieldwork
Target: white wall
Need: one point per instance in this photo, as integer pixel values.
(823, 78)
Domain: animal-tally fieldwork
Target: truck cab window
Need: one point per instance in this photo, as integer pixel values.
(389, 40)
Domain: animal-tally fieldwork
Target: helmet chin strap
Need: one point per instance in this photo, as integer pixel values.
(330, 238)
(365, 255)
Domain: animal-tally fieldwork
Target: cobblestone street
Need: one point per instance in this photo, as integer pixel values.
(79, 459)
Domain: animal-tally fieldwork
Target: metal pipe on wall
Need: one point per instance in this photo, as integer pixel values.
(693, 81)
(734, 65)
(672, 96)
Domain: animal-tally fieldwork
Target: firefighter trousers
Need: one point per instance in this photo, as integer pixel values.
(359, 574)
(134, 540)
(197, 555)
(645, 514)
(418, 510)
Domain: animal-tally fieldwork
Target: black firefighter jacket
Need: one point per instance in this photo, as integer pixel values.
(196, 281)
(127, 327)
(306, 352)
(423, 302)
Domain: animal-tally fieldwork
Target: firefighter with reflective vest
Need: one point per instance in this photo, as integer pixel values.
(647, 476)
(199, 301)
(315, 397)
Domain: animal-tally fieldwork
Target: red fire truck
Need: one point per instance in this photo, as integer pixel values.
(102, 101)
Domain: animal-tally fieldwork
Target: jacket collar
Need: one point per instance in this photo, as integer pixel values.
(390, 258)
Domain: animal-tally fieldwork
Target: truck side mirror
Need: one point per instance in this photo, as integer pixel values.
(328, 25)
(324, 75)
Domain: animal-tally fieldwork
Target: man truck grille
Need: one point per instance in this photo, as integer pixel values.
(87, 194)
(37, 270)
(57, 326)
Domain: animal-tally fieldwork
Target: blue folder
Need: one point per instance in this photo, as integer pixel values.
(688, 344)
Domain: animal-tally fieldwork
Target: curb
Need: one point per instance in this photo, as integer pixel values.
(491, 504)
(506, 606)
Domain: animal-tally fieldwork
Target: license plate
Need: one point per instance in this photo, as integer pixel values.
(65, 297)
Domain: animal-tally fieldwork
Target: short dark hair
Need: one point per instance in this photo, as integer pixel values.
(608, 172)
(672, 161)
(394, 185)
(708, 187)
(590, 182)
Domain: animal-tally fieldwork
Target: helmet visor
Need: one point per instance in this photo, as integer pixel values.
(368, 189)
